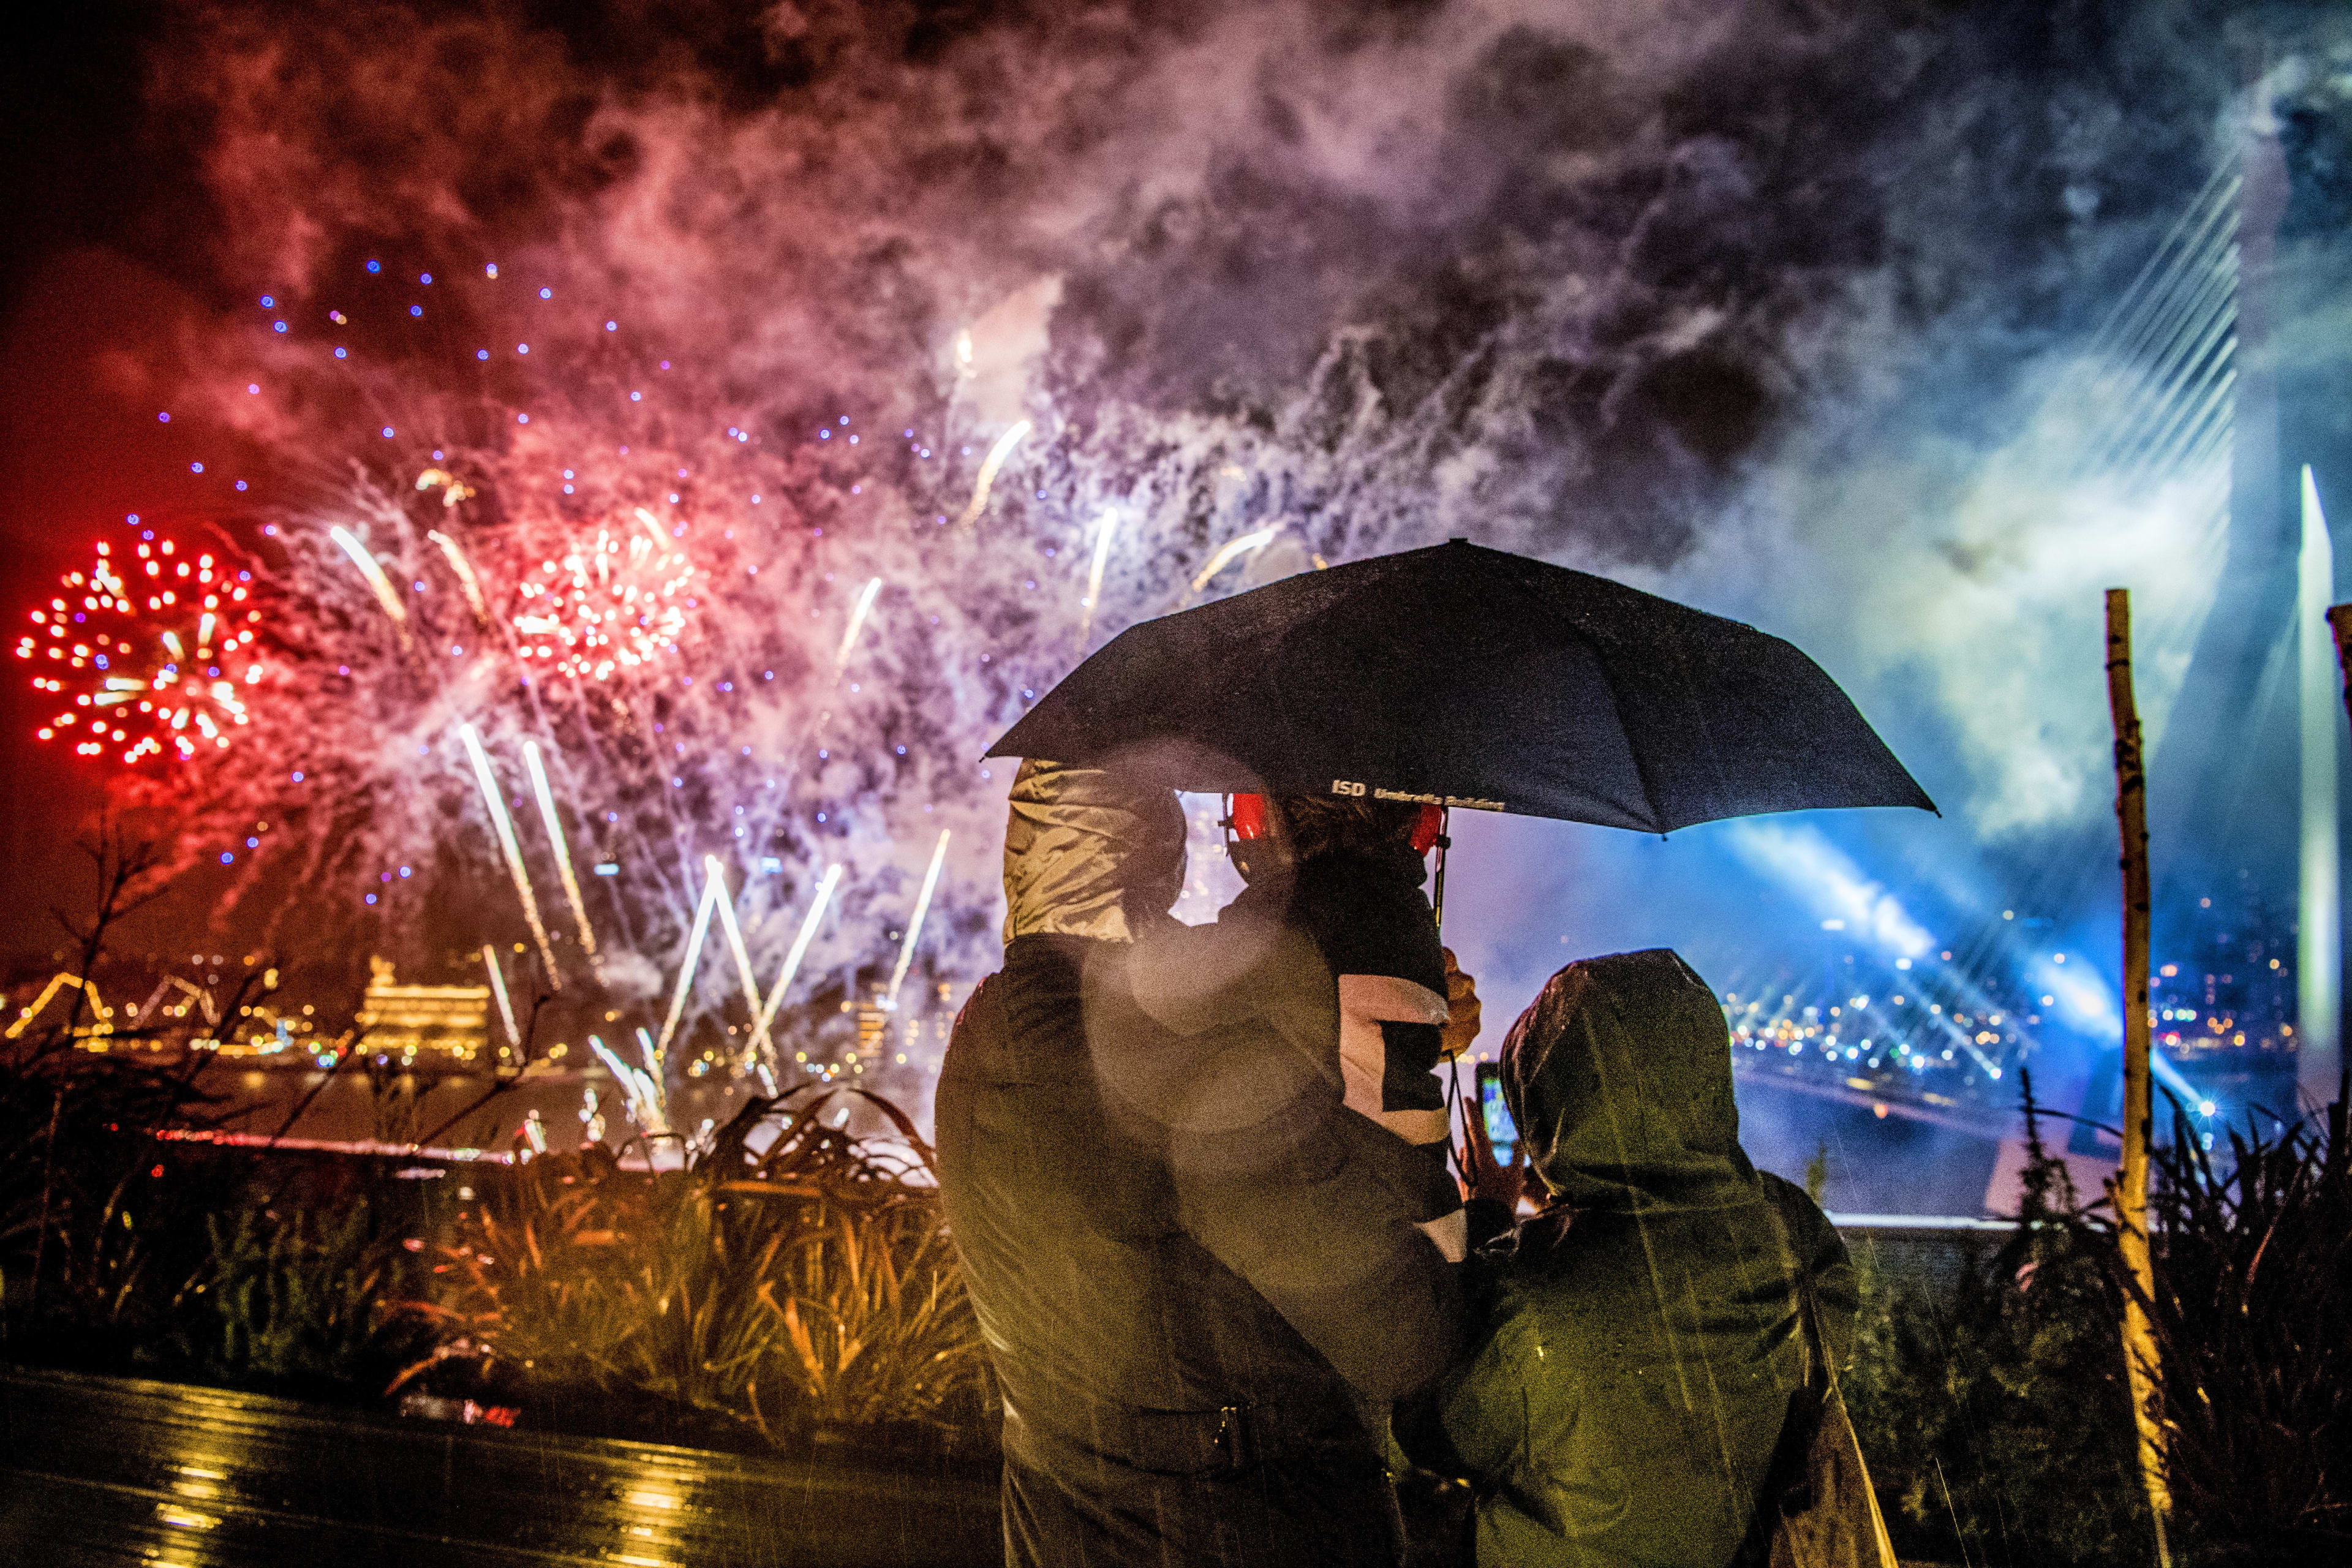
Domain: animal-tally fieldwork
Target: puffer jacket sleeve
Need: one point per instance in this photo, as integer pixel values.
(1290, 1206)
(1231, 1050)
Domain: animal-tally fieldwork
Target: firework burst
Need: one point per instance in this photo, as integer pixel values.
(573, 565)
(157, 652)
(609, 605)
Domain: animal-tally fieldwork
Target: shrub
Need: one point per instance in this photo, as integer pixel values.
(300, 1303)
(87, 1244)
(1995, 1411)
(2252, 1316)
(1996, 1414)
(803, 1283)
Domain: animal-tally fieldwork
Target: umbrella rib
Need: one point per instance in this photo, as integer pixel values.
(1561, 618)
(1641, 765)
(1706, 732)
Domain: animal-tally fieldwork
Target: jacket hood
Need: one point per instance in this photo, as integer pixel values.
(1619, 1077)
(1089, 853)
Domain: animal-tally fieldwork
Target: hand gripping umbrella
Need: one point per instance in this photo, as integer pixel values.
(1463, 675)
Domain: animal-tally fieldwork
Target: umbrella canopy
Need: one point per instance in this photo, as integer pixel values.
(1474, 677)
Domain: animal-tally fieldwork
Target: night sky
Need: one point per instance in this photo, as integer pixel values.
(95, 264)
(1671, 293)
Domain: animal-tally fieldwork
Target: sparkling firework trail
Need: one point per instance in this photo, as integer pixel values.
(654, 1081)
(1103, 529)
(547, 814)
(726, 905)
(489, 781)
(1258, 540)
(465, 569)
(499, 989)
(646, 1100)
(995, 460)
(452, 489)
(799, 950)
(711, 893)
(856, 623)
(375, 577)
(915, 926)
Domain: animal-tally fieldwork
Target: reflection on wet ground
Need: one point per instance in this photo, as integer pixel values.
(105, 1472)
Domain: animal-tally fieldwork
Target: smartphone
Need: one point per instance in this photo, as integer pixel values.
(1501, 1131)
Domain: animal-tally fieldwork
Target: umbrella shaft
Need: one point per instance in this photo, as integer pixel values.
(1437, 883)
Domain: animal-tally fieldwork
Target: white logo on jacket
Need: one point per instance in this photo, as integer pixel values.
(1366, 1002)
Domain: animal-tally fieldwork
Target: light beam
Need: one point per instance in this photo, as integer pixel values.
(726, 904)
(686, 969)
(1257, 539)
(2319, 955)
(1107, 526)
(648, 1104)
(799, 950)
(465, 569)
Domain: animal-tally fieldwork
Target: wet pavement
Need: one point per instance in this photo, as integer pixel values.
(105, 1472)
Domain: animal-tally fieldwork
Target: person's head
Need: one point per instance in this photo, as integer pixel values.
(1089, 853)
(1618, 1079)
(1292, 830)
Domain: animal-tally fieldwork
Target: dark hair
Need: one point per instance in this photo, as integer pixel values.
(1321, 825)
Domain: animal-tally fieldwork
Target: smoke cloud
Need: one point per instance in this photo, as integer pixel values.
(1775, 309)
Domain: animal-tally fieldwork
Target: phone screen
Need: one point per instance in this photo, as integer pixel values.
(1500, 1130)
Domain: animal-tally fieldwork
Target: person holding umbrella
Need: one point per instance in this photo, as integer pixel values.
(1457, 675)
(1350, 874)
(1199, 1294)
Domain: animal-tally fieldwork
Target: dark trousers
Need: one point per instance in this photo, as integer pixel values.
(1067, 1507)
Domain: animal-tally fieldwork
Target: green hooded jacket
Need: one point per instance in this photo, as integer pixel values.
(1643, 1339)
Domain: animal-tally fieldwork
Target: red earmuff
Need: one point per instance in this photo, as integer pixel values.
(1248, 819)
(1428, 829)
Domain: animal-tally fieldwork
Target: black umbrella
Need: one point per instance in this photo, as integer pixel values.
(1474, 678)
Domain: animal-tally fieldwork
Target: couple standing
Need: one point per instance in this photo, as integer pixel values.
(1197, 1177)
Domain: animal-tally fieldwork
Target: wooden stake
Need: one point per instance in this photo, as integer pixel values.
(2128, 1189)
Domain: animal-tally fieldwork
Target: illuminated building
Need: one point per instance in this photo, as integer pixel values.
(408, 1021)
